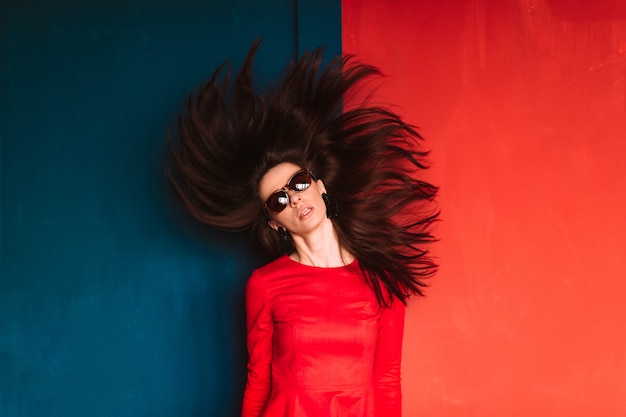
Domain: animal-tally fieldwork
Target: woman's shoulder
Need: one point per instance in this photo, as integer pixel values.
(285, 267)
(276, 266)
(270, 271)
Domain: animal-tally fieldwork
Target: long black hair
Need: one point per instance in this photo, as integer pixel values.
(370, 160)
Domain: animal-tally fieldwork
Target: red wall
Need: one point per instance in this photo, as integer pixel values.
(524, 106)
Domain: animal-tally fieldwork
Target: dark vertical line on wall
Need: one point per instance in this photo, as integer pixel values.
(4, 109)
(296, 46)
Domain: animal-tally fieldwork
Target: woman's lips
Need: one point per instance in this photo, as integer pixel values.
(304, 212)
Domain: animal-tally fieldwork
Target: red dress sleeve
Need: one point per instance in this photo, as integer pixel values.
(260, 328)
(387, 389)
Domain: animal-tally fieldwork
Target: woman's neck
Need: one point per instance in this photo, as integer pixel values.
(321, 249)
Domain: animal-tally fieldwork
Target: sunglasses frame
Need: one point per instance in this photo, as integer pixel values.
(284, 190)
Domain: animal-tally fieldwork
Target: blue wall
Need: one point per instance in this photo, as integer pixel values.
(113, 302)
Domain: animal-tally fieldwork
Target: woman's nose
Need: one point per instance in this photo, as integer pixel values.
(294, 198)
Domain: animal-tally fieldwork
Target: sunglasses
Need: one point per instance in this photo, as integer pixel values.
(299, 182)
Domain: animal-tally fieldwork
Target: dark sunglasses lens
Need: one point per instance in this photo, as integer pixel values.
(278, 201)
(300, 182)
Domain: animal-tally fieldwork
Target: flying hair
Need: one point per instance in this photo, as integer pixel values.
(370, 160)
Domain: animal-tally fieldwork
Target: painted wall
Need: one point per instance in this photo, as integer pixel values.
(113, 302)
(524, 106)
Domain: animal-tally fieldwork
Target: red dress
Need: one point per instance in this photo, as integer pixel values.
(319, 345)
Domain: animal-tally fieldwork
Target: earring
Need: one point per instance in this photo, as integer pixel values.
(331, 207)
(285, 242)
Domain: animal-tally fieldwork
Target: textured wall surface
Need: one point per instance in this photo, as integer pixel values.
(113, 302)
(524, 106)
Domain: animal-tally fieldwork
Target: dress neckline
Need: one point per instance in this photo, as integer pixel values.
(347, 266)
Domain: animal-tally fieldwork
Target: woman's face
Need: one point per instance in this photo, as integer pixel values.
(305, 209)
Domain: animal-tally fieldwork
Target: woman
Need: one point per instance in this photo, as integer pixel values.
(332, 194)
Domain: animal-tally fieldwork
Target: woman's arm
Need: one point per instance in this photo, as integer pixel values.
(259, 341)
(387, 361)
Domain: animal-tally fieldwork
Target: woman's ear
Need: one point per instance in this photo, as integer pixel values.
(320, 185)
(272, 224)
